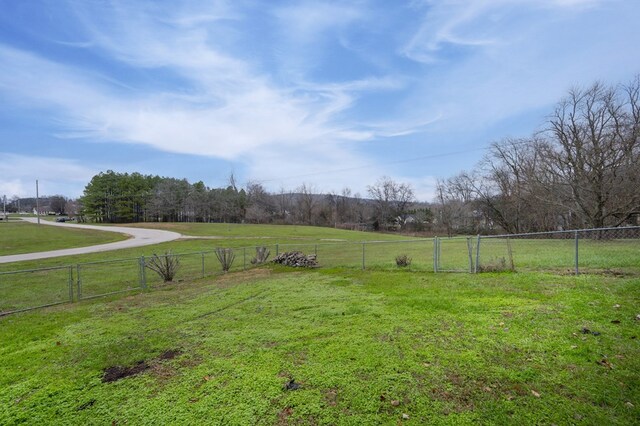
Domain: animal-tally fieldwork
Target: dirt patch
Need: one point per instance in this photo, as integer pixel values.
(283, 416)
(117, 372)
(170, 354)
(331, 397)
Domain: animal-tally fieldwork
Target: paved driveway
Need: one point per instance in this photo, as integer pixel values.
(139, 237)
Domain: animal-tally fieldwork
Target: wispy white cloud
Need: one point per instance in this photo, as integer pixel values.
(539, 49)
(223, 108)
(476, 24)
(306, 22)
(18, 174)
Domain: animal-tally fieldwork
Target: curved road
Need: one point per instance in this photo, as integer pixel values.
(141, 237)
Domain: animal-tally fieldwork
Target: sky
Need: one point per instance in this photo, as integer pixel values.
(330, 94)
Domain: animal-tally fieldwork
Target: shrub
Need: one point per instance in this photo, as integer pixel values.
(262, 254)
(166, 265)
(226, 257)
(403, 260)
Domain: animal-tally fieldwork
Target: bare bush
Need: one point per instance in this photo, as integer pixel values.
(403, 260)
(262, 254)
(226, 258)
(166, 265)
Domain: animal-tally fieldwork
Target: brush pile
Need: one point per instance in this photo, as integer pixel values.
(296, 259)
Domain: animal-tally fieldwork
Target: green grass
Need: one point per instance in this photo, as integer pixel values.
(235, 231)
(102, 273)
(22, 237)
(365, 346)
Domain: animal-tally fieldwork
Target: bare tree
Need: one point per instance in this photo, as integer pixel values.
(284, 205)
(511, 185)
(260, 205)
(595, 153)
(455, 198)
(391, 199)
(306, 203)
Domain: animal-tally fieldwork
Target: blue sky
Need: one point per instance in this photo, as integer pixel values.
(332, 94)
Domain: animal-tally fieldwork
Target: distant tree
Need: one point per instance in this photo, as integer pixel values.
(197, 205)
(71, 207)
(168, 203)
(57, 204)
(306, 203)
(391, 200)
(261, 207)
(284, 205)
(117, 197)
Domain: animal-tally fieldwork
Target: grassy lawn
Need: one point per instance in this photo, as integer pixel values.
(101, 273)
(22, 237)
(332, 346)
(282, 233)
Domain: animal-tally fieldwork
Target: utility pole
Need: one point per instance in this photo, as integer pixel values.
(37, 203)
(4, 208)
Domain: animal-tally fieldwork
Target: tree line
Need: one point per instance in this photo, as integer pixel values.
(113, 197)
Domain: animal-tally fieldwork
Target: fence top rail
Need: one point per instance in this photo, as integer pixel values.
(123, 259)
(333, 243)
(50, 268)
(572, 231)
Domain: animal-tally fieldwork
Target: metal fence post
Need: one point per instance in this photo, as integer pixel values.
(315, 250)
(277, 250)
(79, 281)
(477, 265)
(576, 253)
(143, 277)
(244, 259)
(435, 254)
(470, 253)
(202, 264)
(70, 283)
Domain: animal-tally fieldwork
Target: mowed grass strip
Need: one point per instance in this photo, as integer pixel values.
(22, 237)
(333, 346)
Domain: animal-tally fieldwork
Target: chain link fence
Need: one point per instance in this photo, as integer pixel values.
(606, 251)
(614, 251)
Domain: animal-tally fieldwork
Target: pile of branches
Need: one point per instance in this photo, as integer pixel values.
(296, 259)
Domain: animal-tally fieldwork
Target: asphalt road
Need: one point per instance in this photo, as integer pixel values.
(139, 237)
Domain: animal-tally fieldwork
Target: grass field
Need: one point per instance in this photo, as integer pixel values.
(333, 346)
(280, 233)
(23, 237)
(101, 273)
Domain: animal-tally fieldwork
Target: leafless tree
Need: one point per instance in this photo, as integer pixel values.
(455, 197)
(391, 199)
(594, 152)
(260, 204)
(306, 203)
(284, 205)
